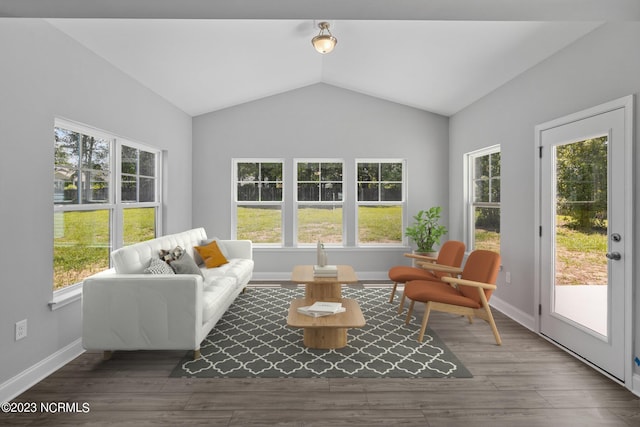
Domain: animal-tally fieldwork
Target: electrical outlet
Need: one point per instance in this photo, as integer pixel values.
(21, 329)
(507, 277)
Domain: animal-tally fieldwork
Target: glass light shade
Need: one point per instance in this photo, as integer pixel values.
(324, 43)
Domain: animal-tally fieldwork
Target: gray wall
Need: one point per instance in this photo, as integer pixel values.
(287, 126)
(602, 66)
(45, 74)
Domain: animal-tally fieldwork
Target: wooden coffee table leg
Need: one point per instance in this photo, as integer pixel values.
(325, 338)
(323, 292)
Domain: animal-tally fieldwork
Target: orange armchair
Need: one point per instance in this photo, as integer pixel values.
(468, 295)
(450, 255)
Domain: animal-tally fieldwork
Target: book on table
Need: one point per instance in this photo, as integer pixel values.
(322, 308)
(325, 270)
(305, 310)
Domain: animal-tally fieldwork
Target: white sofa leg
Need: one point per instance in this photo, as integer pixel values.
(107, 354)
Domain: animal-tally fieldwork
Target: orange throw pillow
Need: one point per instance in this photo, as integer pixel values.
(211, 255)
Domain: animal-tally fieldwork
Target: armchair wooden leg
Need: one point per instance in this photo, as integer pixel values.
(488, 316)
(425, 319)
(401, 306)
(196, 354)
(409, 313)
(393, 291)
(494, 328)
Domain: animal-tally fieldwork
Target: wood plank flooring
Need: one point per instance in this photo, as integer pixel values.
(525, 382)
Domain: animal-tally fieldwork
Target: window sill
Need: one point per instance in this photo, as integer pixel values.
(66, 296)
(370, 248)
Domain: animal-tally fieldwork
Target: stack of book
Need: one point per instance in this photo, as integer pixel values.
(325, 271)
(322, 308)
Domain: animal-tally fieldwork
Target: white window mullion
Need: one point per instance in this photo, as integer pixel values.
(117, 219)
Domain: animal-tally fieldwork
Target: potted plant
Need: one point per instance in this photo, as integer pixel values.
(425, 231)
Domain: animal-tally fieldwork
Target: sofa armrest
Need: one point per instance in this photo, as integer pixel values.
(239, 248)
(140, 311)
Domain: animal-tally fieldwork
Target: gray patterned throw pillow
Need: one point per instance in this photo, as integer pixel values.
(157, 266)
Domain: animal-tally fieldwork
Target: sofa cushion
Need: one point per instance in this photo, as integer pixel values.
(158, 266)
(211, 254)
(171, 255)
(219, 283)
(185, 265)
(135, 258)
(238, 268)
(221, 246)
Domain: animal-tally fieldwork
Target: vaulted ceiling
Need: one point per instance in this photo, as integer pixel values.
(205, 65)
(187, 53)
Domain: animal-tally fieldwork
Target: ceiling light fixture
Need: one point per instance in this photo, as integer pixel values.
(324, 43)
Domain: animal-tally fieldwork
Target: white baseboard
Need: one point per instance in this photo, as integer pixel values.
(526, 320)
(635, 384)
(15, 386)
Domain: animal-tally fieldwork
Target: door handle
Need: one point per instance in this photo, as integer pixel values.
(614, 256)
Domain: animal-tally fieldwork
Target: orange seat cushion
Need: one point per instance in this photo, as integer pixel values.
(424, 291)
(404, 274)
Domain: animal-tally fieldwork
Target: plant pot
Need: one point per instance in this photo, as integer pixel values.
(430, 253)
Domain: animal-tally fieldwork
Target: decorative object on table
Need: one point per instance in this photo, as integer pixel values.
(321, 255)
(425, 231)
(252, 340)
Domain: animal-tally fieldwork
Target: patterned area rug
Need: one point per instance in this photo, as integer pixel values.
(252, 340)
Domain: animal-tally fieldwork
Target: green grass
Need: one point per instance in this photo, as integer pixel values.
(81, 241)
(81, 245)
(261, 225)
(488, 240)
(376, 224)
(580, 256)
(380, 224)
(577, 241)
(320, 224)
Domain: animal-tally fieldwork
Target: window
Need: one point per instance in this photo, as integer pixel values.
(138, 193)
(90, 217)
(483, 216)
(380, 201)
(258, 200)
(319, 202)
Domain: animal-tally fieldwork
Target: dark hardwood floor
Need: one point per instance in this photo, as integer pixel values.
(525, 382)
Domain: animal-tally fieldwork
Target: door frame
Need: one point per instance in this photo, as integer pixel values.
(627, 103)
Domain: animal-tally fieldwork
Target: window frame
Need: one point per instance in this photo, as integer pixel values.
(237, 203)
(402, 203)
(469, 191)
(115, 206)
(297, 203)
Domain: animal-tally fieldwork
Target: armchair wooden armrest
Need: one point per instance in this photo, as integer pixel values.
(422, 257)
(455, 280)
(441, 268)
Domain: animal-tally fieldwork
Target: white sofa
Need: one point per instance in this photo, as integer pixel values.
(125, 309)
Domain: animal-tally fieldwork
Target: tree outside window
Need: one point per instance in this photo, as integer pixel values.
(380, 202)
(258, 201)
(484, 206)
(319, 212)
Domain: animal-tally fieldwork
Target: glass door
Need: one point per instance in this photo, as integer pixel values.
(585, 221)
